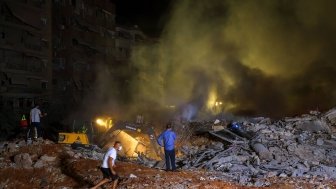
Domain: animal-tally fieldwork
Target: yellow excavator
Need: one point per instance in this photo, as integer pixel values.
(109, 132)
(70, 138)
(142, 128)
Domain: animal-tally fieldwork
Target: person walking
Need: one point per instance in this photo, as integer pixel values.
(167, 140)
(108, 165)
(35, 122)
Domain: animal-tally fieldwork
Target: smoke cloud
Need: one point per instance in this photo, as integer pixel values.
(259, 57)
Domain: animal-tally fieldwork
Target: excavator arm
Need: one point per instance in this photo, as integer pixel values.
(127, 126)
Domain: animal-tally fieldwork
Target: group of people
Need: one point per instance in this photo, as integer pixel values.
(166, 139)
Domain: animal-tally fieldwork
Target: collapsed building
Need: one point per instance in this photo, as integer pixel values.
(294, 150)
(293, 147)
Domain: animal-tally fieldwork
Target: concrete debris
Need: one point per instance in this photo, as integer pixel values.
(262, 151)
(302, 148)
(86, 152)
(292, 147)
(142, 159)
(133, 176)
(23, 161)
(47, 158)
(44, 161)
(39, 164)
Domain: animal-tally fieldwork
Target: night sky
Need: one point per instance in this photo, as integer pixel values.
(150, 15)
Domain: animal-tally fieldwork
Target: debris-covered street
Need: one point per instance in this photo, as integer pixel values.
(279, 154)
(167, 94)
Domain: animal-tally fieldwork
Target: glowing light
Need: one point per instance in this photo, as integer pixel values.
(107, 123)
(211, 99)
(171, 106)
(100, 122)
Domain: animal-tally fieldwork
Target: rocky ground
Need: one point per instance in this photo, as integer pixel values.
(48, 165)
(296, 152)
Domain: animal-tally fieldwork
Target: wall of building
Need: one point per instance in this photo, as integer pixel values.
(126, 39)
(50, 51)
(25, 53)
(83, 40)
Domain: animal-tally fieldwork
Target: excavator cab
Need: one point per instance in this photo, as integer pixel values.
(123, 130)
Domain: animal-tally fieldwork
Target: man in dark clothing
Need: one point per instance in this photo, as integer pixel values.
(167, 140)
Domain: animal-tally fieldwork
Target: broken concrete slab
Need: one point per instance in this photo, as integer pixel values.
(23, 161)
(262, 151)
(47, 158)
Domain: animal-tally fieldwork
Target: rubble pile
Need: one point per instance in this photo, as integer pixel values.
(43, 164)
(85, 152)
(301, 147)
(295, 151)
(43, 160)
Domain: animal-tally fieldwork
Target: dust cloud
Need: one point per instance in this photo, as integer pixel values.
(246, 57)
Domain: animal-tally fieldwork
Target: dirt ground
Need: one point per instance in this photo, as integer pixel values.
(70, 172)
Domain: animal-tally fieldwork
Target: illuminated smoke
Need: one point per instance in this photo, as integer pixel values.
(257, 57)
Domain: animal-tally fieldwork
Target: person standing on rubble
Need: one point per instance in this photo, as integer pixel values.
(35, 122)
(167, 140)
(108, 165)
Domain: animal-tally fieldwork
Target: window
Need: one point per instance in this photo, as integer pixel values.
(10, 103)
(44, 85)
(74, 42)
(73, 3)
(29, 103)
(21, 102)
(44, 20)
(16, 103)
(54, 81)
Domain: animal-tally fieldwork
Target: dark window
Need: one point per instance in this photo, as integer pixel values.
(54, 81)
(63, 21)
(73, 2)
(44, 85)
(21, 103)
(74, 42)
(29, 103)
(10, 103)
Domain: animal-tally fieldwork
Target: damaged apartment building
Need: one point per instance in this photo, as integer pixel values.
(83, 40)
(25, 53)
(126, 39)
(52, 51)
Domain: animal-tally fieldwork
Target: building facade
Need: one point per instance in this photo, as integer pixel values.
(25, 53)
(126, 39)
(52, 51)
(83, 40)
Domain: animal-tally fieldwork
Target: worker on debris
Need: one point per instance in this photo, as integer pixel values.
(108, 165)
(167, 140)
(35, 122)
(239, 129)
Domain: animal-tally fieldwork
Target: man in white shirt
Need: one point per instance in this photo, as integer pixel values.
(35, 122)
(108, 164)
